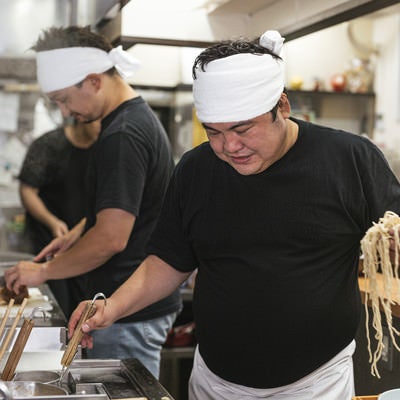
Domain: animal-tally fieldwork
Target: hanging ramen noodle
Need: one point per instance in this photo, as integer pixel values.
(375, 247)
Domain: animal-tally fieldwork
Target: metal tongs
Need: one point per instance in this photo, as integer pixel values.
(19, 345)
(72, 348)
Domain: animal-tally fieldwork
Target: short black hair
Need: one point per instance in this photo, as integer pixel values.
(229, 48)
(72, 36)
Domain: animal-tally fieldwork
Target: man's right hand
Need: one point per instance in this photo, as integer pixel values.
(56, 246)
(62, 243)
(102, 318)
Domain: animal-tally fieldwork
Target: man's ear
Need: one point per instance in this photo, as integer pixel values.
(94, 80)
(284, 105)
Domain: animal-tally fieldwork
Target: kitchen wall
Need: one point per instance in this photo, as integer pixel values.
(317, 55)
(387, 79)
(329, 51)
(324, 53)
(346, 50)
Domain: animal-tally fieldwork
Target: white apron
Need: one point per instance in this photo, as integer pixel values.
(332, 381)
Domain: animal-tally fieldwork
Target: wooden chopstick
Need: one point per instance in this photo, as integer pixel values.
(73, 344)
(5, 316)
(10, 334)
(16, 352)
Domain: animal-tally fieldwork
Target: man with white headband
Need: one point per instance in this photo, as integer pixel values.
(127, 177)
(270, 211)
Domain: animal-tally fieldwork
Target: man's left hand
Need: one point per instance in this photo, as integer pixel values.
(24, 273)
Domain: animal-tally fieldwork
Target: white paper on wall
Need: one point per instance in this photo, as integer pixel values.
(9, 106)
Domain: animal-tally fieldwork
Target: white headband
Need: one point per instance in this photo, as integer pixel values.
(241, 86)
(61, 68)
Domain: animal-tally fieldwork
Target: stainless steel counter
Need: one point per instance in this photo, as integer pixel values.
(49, 332)
(114, 379)
(107, 379)
(54, 315)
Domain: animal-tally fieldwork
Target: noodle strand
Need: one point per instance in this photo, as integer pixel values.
(375, 247)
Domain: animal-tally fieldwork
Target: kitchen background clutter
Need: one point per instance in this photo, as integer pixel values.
(358, 41)
(343, 69)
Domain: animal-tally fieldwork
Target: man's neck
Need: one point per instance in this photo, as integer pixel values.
(82, 135)
(118, 91)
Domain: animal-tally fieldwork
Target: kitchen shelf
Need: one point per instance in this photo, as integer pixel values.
(354, 112)
(324, 93)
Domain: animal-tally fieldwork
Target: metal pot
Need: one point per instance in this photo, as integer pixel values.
(29, 389)
(37, 376)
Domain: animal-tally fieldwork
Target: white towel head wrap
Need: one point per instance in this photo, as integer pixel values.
(61, 68)
(241, 86)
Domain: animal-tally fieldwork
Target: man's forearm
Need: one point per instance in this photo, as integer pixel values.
(95, 247)
(35, 206)
(88, 253)
(151, 282)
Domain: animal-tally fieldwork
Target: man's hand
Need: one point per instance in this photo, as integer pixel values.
(392, 247)
(25, 273)
(104, 316)
(62, 243)
(59, 228)
(56, 246)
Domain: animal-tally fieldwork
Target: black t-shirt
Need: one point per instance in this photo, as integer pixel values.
(130, 170)
(276, 293)
(57, 169)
